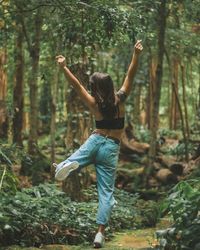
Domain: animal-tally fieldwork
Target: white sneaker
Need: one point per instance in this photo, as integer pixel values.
(62, 172)
(99, 240)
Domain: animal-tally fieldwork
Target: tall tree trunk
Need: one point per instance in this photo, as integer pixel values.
(169, 90)
(174, 117)
(182, 122)
(79, 124)
(3, 93)
(174, 89)
(18, 98)
(137, 100)
(148, 95)
(198, 99)
(185, 101)
(158, 83)
(34, 51)
(192, 84)
(152, 88)
(54, 88)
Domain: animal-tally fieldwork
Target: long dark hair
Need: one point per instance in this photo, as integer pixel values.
(102, 89)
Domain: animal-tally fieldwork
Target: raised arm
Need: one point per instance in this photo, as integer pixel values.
(127, 84)
(81, 91)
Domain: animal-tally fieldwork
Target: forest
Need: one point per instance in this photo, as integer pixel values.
(43, 120)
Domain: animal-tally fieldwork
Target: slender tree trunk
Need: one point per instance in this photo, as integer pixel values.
(192, 84)
(174, 106)
(3, 92)
(152, 89)
(54, 92)
(169, 90)
(158, 82)
(174, 89)
(137, 98)
(148, 95)
(198, 100)
(185, 101)
(182, 123)
(18, 98)
(33, 83)
(148, 108)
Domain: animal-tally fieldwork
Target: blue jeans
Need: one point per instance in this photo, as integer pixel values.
(103, 153)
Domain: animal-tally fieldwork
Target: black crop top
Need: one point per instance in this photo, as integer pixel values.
(115, 123)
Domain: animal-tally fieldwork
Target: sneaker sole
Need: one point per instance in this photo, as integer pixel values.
(64, 172)
(97, 245)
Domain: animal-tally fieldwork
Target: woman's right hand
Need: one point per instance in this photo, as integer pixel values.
(61, 61)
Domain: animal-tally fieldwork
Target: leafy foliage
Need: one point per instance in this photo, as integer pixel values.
(8, 181)
(35, 166)
(7, 154)
(168, 133)
(45, 215)
(179, 150)
(183, 204)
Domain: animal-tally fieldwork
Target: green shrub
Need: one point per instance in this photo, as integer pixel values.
(183, 204)
(169, 133)
(142, 135)
(179, 150)
(45, 215)
(8, 181)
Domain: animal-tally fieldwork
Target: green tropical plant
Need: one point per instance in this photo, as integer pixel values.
(183, 204)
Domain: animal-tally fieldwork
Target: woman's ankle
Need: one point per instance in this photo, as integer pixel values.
(101, 229)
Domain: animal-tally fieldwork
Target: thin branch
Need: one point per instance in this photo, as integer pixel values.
(1, 182)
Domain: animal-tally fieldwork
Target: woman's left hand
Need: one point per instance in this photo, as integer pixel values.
(138, 47)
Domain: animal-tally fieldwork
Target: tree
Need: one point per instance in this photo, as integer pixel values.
(18, 95)
(3, 93)
(162, 10)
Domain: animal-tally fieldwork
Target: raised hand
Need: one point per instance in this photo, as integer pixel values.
(138, 47)
(61, 60)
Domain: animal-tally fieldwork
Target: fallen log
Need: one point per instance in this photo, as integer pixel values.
(130, 146)
(171, 164)
(165, 176)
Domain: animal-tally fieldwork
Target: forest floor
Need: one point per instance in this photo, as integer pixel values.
(141, 239)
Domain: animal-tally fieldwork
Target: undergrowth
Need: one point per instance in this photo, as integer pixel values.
(45, 215)
(183, 204)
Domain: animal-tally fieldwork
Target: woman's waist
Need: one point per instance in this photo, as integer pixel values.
(110, 133)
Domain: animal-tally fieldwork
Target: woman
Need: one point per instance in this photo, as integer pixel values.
(102, 147)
